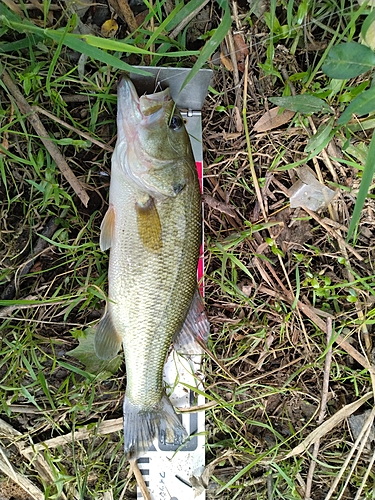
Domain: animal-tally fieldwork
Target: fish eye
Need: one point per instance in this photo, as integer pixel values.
(175, 122)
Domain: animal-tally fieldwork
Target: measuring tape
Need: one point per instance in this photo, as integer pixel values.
(167, 469)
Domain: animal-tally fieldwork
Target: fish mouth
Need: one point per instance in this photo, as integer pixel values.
(138, 122)
(145, 109)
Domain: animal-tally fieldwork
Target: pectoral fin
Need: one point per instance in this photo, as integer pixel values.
(149, 227)
(107, 341)
(195, 329)
(107, 228)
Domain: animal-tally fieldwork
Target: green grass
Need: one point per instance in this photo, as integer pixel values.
(267, 383)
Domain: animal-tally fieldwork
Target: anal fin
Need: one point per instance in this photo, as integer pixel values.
(195, 329)
(107, 341)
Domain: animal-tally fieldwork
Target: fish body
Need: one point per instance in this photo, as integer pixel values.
(153, 230)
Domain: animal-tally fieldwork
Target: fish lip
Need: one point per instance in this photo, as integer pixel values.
(144, 107)
(127, 99)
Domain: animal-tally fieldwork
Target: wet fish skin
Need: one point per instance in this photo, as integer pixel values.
(153, 230)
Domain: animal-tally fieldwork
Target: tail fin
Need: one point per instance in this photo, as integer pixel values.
(141, 426)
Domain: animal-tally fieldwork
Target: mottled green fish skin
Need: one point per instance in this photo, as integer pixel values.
(154, 235)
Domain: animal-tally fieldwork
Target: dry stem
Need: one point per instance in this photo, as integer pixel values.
(323, 405)
(51, 147)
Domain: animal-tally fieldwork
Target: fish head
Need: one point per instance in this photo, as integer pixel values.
(153, 146)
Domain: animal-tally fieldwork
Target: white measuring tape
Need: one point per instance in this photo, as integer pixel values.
(167, 469)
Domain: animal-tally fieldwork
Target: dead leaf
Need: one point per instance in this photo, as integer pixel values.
(226, 62)
(228, 136)
(109, 28)
(328, 425)
(240, 44)
(141, 17)
(218, 205)
(85, 353)
(123, 10)
(238, 120)
(108, 495)
(200, 479)
(247, 290)
(242, 50)
(14, 7)
(273, 119)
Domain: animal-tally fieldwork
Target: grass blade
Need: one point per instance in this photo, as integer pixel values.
(75, 42)
(361, 105)
(182, 14)
(162, 27)
(368, 175)
(212, 44)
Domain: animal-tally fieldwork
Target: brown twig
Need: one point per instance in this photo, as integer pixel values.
(139, 478)
(246, 128)
(232, 53)
(236, 80)
(236, 16)
(218, 205)
(127, 14)
(172, 35)
(323, 405)
(327, 369)
(73, 129)
(349, 349)
(39, 247)
(51, 147)
(333, 233)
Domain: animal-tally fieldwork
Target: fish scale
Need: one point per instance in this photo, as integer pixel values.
(159, 299)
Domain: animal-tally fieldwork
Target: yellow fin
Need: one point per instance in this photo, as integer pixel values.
(149, 227)
(107, 341)
(107, 228)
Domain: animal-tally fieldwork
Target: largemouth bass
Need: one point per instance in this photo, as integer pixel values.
(153, 230)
